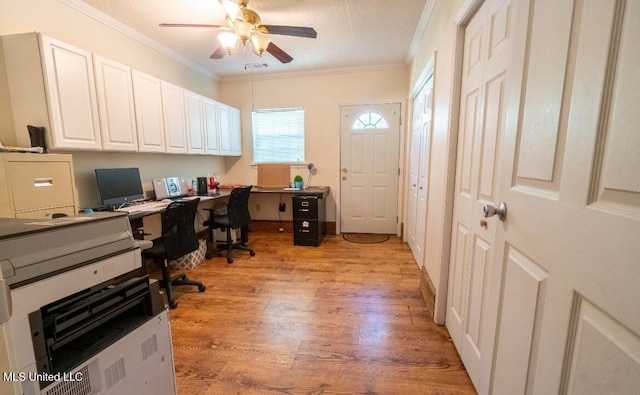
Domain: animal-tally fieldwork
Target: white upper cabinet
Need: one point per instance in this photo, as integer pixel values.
(175, 125)
(211, 130)
(229, 129)
(195, 128)
(52, 85)
(115, 103)
(235, 132)
(148, 104)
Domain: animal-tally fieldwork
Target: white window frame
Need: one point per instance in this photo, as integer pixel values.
(284, 133)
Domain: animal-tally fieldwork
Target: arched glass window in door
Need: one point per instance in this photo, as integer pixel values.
(370, 120)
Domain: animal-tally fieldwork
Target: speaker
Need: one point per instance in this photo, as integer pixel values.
(202, 186)
(173, 186)
(160, 188)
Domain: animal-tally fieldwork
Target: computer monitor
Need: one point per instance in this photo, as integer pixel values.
(119, 186)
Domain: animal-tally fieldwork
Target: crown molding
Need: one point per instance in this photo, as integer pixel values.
(118, 26)
(309, 73)
(422, 25)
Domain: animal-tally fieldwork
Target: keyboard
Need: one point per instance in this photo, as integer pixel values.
(145, 207)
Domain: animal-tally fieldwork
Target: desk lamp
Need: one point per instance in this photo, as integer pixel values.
(312, 171)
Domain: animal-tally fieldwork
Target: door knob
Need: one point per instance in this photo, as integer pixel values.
(500, 211)
(344, 178)
(344, 169)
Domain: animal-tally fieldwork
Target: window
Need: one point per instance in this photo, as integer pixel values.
(370, 120)
(278, 135)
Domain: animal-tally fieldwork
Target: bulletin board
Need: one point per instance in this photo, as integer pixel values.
(274, 175)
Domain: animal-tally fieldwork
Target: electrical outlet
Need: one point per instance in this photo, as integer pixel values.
(280, 230)
(282, 207)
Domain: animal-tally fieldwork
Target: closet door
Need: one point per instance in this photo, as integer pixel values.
(419, 171)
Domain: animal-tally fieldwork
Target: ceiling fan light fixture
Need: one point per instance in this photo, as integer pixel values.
(259, 42)
(243, 30)
(229, 41)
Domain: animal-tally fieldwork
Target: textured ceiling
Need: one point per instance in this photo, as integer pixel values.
(351, 33)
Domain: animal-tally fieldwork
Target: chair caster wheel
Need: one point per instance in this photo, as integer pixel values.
(252, 253)
(173, 304)
(229, 260)
(202, 288)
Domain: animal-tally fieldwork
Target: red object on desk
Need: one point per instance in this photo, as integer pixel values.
(229, 186)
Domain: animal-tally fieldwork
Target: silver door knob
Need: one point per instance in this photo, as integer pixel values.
(500, 211)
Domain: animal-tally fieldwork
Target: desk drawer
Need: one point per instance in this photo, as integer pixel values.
(36, 185)
(305, 207)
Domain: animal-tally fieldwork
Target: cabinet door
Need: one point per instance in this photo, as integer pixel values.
(148, 104)
(229, 129)
(195, 128)
(224, 128)
(235, 132)
(211, 129)
(72, 102)
(115, 103)
(173, 114)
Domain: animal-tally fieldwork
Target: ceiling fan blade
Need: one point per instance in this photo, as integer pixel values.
(278, 53)
(219, 53)
(297, 31)
(188, 25)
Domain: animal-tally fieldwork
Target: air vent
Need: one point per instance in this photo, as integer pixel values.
(149, 347)
(80, 387)
(114, 373)
(255, 66)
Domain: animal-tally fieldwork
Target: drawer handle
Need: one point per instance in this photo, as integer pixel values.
(305, 204)
(43, 182)
(306, 210)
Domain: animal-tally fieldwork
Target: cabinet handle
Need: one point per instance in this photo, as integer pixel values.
(43, 182)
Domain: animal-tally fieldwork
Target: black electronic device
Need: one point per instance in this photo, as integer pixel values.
(119, 186)
(202, 186)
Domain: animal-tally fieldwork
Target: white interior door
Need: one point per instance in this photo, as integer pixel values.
(419, 170)
(569, 319)
(471, 307)
(369, 152)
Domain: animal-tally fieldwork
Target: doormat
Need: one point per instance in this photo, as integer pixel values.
(365, 238)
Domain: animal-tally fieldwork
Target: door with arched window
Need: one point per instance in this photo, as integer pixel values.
(369, 152)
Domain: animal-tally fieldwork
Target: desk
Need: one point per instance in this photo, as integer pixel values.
(308, 212)
(321, 192)
(148, 224)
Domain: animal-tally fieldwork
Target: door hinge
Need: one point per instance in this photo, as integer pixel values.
(398, 171)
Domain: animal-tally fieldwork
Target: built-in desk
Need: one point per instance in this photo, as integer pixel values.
(322, 192)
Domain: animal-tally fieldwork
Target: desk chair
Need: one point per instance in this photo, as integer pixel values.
(178, 239)
(236, 216)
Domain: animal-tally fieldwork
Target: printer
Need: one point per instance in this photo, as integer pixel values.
(84, 317)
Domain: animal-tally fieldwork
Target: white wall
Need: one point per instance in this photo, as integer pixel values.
(321, 96)
(62, 22)
(438, 38)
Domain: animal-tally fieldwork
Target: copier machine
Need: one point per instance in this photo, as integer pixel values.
(82, 317)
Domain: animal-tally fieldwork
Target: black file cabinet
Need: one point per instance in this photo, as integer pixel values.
(309, 220)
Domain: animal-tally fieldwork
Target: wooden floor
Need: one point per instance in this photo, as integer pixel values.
(343, 318)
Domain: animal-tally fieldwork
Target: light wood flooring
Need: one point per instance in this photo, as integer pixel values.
(342, 318)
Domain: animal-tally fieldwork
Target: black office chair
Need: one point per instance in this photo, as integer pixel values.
(235, 216)
(178, 239)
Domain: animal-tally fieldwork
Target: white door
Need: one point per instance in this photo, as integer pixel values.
(115, 103)
(370, 140)
(419, 171)
(471, 306)
(569, 250)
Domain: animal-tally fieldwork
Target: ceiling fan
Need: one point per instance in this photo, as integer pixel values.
(244, 25)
